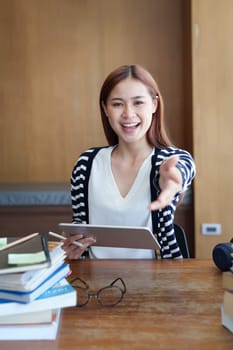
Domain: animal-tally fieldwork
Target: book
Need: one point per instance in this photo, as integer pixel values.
(33, 331)
(30, 280)
(228, 302)
(61, 295)
(27, 317)
(227, 280)
(226, 320)
(27, 253)
(26, 297)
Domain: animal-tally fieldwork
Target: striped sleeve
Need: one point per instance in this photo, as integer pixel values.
(185, 164)
(79, 185)
(163, 220)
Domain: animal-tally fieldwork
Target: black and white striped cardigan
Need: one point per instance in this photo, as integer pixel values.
(162, 220)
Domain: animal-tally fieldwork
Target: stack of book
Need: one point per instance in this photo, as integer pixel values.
(227, 305)
(31, 300)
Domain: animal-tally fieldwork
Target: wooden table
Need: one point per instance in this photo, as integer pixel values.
(168, 305)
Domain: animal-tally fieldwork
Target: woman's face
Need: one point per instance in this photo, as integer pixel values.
(129, 108)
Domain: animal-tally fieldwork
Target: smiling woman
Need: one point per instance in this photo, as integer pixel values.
(137, 180)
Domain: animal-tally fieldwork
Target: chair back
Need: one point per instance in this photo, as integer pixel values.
(182, 241)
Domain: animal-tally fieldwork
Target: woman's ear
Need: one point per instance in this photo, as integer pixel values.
(155, 102)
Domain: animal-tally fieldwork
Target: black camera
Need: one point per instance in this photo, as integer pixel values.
(223, 255)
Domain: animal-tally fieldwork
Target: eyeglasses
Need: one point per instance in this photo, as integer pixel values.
(110, 295)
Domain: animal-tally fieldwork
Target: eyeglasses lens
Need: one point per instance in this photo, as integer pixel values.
(110, 296)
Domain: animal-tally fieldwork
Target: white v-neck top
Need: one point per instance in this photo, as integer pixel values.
(108, 207)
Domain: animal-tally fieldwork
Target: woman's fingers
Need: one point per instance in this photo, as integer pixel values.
(74, 252)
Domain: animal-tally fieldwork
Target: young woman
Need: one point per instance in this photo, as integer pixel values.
(139, 178)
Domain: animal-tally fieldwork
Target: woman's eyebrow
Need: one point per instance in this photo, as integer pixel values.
(116, 98)
(131, 98)
(136, 97)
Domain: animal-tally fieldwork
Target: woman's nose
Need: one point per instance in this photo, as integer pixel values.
(128, 111)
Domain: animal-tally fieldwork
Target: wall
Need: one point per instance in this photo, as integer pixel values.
(212, 57)
(54, 57)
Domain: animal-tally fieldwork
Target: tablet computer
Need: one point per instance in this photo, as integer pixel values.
(114, 236)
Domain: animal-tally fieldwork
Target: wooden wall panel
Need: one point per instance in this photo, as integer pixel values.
(212, 29)
(49, 96)
(54, 57)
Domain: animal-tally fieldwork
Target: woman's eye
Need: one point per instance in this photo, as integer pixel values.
(117, 104)
(139, 102)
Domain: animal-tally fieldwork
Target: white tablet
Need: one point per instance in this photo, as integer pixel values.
(114, 236)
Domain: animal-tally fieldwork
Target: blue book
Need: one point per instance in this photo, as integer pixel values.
(26, 297)
(61, 295)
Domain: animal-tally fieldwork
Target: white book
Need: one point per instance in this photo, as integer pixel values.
(227, 321)
(35, 331)
(27, 317)
(60, 295)
(26, 297)
(228, 302)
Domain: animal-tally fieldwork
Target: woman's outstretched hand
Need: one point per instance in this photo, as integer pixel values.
(170, 182)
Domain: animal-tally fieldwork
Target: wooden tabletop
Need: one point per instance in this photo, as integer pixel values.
(168, 305)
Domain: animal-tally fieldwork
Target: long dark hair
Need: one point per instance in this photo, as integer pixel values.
(156, 135)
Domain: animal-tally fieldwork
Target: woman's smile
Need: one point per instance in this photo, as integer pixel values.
(130, 125)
